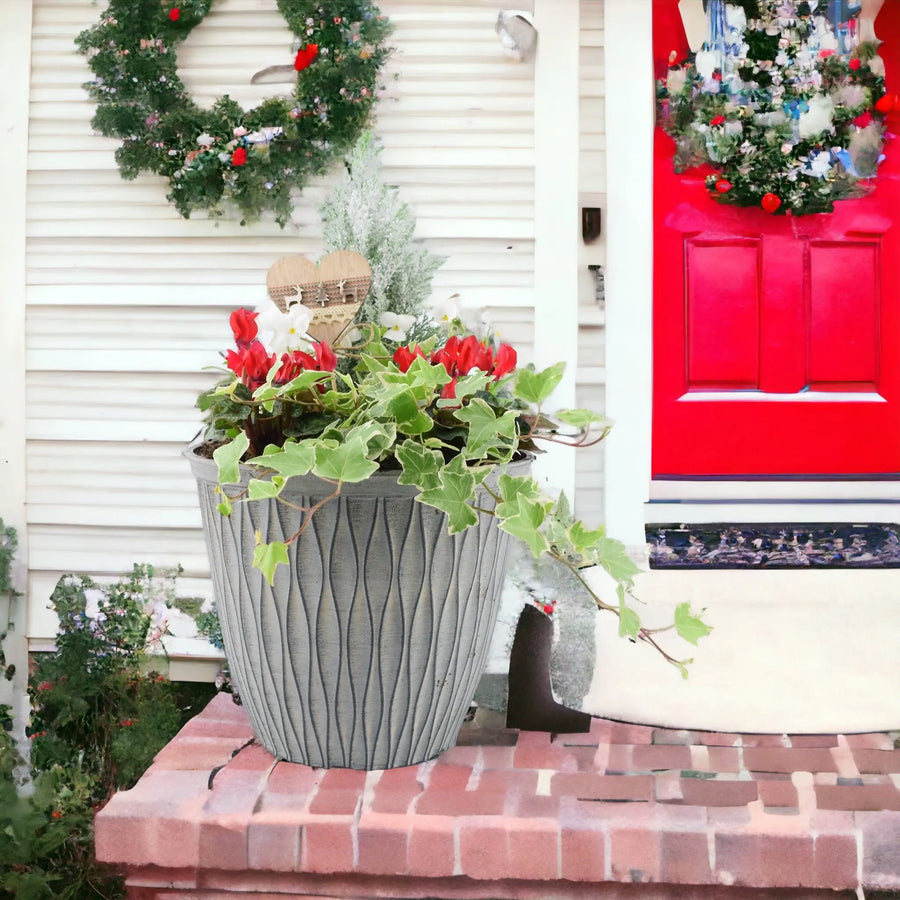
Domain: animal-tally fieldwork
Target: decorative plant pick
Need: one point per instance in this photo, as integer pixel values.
(334, 290)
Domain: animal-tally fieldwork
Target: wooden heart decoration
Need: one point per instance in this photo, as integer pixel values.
(334, 290)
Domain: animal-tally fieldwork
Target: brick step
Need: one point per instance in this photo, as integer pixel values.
(514, 814)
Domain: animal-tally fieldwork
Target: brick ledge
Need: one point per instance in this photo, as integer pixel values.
(513, 814)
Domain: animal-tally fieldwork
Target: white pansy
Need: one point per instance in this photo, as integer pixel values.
(397, 325)
(282, 332)
(817, 118)
(447, 311)
(204, 140)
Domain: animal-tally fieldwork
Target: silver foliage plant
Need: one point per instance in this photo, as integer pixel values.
(366, 215)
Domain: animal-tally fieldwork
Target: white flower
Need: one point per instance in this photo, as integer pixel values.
(240, 131)
(675, 80)
(447, 311)
(92, 598)
(204, 140)
(818, 165)
(397, 325)
(264, 135)
(705, 61)
(282, 332)
(735, 17)
(818, 118)
(876, 64)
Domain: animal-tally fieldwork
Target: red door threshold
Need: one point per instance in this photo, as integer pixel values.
(624, 811)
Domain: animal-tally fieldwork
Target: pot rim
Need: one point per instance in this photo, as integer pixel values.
(205, 470)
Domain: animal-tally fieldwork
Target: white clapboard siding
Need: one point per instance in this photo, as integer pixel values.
(127, 302)
(592, 187)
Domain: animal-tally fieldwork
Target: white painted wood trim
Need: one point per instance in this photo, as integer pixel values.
(629, 274)
(557, 240)
(15, 70)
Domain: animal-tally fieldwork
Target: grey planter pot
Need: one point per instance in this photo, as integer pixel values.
(367, 650)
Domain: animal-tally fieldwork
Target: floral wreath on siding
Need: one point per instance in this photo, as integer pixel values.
(790, 123)
(225, 155)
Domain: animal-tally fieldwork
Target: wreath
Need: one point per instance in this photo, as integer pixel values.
(226, 156)
(789, 113)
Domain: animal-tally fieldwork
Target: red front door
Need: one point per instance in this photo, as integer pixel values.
(776, 339)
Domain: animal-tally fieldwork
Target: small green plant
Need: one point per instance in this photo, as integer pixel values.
(366, 215)
(100, 714)
(9, 541)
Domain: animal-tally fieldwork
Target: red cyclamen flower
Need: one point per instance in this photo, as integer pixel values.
(251, 364)
(717, 120)
(404, 356)
(239, 157)
(175, 14)
(243, 325)
(505, 362)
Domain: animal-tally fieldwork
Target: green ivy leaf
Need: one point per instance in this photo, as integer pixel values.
(410, 418)
(629, 620)
(228, 458)
(265, 490)
(612, 555)
(511, 488)
(420, 465)
(578, 418)
(525, 524)
(346, 462)
(291, 460)
(453, 495)
(486, 430)
(267, 557)
(303, 382)
(536, 387)
(225, 506)
(691, 627)
(583, 539)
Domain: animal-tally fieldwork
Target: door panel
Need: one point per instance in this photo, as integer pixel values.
(776, 339)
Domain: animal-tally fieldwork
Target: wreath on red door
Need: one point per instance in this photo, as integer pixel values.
(789, 113)
(226, 157)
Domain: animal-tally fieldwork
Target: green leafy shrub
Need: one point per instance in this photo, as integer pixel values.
(100, 714)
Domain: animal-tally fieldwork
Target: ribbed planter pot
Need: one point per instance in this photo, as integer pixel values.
(366, 651)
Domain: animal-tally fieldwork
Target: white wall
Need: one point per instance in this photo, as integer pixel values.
(122, 302)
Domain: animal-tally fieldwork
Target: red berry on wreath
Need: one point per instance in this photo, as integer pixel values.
(770, 202)
(854, 64)
(723, 185)
(886, 103)
(305, 56)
